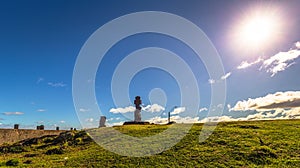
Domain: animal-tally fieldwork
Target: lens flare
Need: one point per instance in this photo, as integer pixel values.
(258, 29)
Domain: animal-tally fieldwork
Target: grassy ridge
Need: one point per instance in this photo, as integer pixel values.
(233, 144)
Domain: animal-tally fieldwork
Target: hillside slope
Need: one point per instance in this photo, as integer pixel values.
(233, 144)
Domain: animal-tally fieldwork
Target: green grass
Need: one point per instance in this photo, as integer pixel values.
(232, 144)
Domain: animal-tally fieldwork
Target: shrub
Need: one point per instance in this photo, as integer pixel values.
(28, 161)
(32, 141)
(261, 155)
(12, 162)
(221, 142)
(80, 134)
(16, 149)
(30, 155)
(64, 137)
(249, 126)
(48, 140)
(78, 141)
(12, 149)
(54, 151)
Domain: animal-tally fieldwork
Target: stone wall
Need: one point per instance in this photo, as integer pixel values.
(15, 135)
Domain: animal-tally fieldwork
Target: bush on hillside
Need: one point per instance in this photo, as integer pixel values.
(12, 162)
(54, 151)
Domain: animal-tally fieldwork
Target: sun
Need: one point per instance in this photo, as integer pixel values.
(257, 29)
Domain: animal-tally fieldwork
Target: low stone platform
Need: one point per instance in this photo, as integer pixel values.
(136, 123)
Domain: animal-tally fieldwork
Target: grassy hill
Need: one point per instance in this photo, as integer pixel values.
(233, 144)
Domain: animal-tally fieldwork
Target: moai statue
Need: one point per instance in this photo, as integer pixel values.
(40, 127)
(102, 121)
(16, 126)
(57, 128)
(137, 112)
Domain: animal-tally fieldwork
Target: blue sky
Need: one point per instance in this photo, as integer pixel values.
(40, 42)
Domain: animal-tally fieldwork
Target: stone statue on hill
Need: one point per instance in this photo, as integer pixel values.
(137, 112)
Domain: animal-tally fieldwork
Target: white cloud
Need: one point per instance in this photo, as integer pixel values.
(246, 64)
(228, 106)
(177, 119)
(203, 109)
(297, 44)
(262, 115)
(158, 120)
(188, 119)
(153, 108)
(219, 105)
(59, 84)
(89, 119)
(225, 76)
(13, 113)
(84, 110)
(41, 110)
(178, 110)
(113, 119)
(39, 80)
(293, 113)
(280, 61)
(276, 63)
(148, 108)
(122, 110)
(62, 121)
(211, 81)
(40, 122)
(217, 119)
(115, 123)
(278, 100)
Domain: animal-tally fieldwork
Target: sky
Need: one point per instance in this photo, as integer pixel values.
(258, 43)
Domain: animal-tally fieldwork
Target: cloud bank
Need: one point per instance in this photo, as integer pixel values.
(153, 108)
(203, 109)
(278, 100)
(246, 64)
(224, 77)
(60, 84)
(177, 119)
(84, 110)
(149, 108)
(13, 113)
(297, 44)
(178, 110)
(279, 105)
(122, 110)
